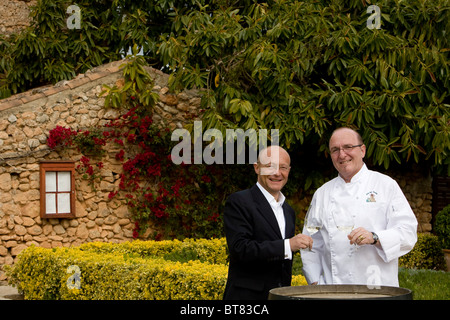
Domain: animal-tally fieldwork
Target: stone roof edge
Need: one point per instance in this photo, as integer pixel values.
(49, 90)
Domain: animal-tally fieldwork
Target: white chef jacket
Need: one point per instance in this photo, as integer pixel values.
(378, 205)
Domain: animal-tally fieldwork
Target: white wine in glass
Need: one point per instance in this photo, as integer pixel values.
(312, 229)
(344, 221)
(345, 229)
(313, 220)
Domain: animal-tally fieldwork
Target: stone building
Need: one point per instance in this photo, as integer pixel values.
(25, 122)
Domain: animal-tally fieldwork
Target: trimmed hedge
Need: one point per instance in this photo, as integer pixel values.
(130, 270)
(442, 226)
(213, 251)
(426, 254)
(189, 269)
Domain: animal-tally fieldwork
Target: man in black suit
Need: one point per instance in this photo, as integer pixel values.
(260, 231)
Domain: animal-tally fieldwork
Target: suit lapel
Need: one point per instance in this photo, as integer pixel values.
(263, 206)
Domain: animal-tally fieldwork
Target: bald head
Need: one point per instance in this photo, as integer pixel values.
(350, 131)
(272, 168)
(273, 152)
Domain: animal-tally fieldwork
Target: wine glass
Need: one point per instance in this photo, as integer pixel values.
(313, 220)
(344, 222)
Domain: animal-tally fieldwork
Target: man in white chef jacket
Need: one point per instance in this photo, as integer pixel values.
(384, 229)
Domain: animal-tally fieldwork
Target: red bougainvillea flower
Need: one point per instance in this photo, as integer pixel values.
(213, 217)
(136, 230)
(206, 179)
(120, 154)
(112, 194)
(85, 160)
(60, 136)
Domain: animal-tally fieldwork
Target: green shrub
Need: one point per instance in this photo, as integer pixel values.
(43, 274)
(426, 254)
(213, 251)
(442, 226)
(131, 270)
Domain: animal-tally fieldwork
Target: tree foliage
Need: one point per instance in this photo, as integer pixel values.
(309, 67)
(303, 67)
(49, 51)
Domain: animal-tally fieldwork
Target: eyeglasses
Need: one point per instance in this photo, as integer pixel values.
(347, 148)
(274, 167)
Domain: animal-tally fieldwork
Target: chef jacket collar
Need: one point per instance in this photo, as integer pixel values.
(357, 177)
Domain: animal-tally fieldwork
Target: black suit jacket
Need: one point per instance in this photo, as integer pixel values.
(257, 262)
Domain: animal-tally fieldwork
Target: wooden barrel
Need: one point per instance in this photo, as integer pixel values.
(339, 292)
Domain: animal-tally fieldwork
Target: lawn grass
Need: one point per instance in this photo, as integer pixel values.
(425, 284)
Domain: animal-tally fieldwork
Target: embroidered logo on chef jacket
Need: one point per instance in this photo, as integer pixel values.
(371, 196)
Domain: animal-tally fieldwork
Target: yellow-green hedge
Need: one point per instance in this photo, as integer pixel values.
(213, 251)
(130, 270)
(426, 254)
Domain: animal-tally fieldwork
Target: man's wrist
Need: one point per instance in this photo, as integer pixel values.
(375, 238)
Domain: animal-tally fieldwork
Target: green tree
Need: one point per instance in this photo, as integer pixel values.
(309, 67)
(303, 67)
(50, 50)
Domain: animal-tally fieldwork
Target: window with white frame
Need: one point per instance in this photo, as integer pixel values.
(57, 187)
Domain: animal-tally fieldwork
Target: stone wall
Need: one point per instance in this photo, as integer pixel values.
(14, 15)
(417, 187)
(25, 122)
